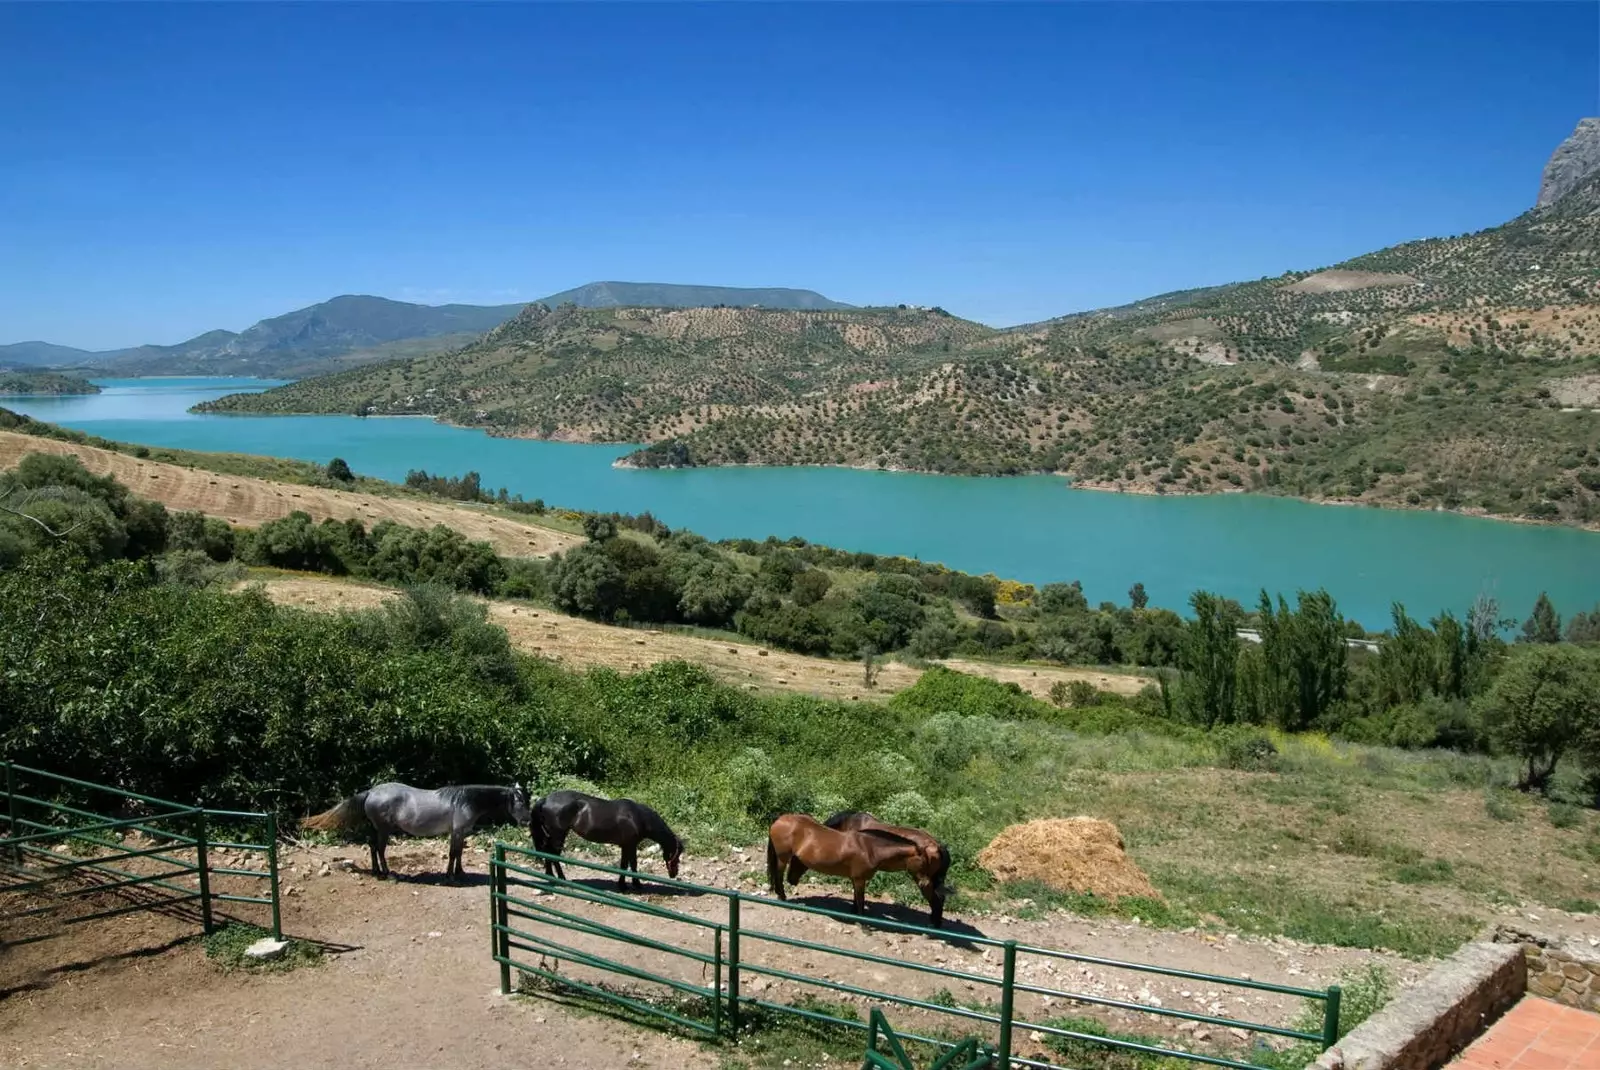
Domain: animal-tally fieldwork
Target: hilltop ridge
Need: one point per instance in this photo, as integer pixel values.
(1575, 159)
(1457, 372)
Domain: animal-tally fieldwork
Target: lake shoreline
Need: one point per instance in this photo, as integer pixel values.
(1028, 529)
(1142, 488)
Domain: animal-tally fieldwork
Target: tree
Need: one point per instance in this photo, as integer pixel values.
(599, 528)
(869, 665)
(1136, 596)
(1584, 627)
(810, 587)
(1056, 599)
(1209, 660)
(977, 593)
(340, 471)
(1544, 625)
(891, 607)
(586, 582)
(1304, 662)
(1544, 702)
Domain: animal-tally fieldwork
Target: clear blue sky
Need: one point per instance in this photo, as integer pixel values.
(167, 170)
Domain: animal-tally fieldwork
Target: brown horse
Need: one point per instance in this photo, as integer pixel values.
(798, 842)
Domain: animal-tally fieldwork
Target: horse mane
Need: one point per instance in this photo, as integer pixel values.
(844, 815)
(885, 834)
(657, 829)
(476, 793)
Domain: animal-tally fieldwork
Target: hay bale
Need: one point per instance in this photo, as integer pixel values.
(1073, 854)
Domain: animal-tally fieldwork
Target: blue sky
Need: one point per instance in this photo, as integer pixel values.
(167, 170)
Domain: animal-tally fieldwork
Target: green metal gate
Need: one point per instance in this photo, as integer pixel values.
(536, 925)
(160, 856)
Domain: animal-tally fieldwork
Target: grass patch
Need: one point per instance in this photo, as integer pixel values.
(1030, 900)
(1579, 906)
(1363, 994)
(1087, 1053)
(1500, 804)
(226, 948)
(1429, 871)
(1564, 815)
(1268, 904)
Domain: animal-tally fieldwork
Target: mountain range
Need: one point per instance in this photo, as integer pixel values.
(1454, 373)
(356, 329)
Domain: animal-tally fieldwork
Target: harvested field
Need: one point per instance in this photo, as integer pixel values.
(583, 644)
(1069, 854)
(247, 501)
(1327, 282)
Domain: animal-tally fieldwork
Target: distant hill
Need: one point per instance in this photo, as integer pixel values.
(354, 329)
(309, 339)
(1454, 373)
(40, 354)
(673, 295)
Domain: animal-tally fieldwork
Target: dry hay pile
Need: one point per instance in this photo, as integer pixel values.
(1072, 854)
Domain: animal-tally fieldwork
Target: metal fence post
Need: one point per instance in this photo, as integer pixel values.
(1330, 1018)
(272, 875)
(11, 808)
(204, 869)
(1008, 980)
(716, 983)
(733, 962)
(501, 917)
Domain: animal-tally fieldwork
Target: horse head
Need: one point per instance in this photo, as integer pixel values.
(673, 855)
(521, 804)
(935, 867)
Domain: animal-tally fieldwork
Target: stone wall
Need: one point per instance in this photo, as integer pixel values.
(1426, 1025)
(1567, 971)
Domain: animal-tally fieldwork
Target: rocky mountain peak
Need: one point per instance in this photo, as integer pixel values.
(1574, 160)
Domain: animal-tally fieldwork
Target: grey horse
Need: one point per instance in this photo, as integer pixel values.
(390, 808)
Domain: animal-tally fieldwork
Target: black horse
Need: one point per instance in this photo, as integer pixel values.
(618, 821)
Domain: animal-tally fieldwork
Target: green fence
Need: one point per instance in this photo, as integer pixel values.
(709, 959)
(74, 855)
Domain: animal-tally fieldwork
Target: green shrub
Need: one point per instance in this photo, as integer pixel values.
(1248, 750)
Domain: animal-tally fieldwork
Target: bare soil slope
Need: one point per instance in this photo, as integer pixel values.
(247, 501)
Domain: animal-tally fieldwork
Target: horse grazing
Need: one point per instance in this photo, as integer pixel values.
(622, 822)
(391, 808)
(933, 888)
(798, 842)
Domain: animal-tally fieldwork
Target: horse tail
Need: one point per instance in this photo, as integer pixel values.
(774, 871)
(348, 814)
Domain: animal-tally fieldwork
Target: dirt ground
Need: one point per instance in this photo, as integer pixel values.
(584, 644)
(247, 501)
(408, 981)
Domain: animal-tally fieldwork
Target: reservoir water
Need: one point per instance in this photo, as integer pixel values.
(1032, 528)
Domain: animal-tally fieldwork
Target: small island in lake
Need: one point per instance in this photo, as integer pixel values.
(16, 383)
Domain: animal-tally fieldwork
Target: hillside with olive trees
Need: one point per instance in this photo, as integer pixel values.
(1458, 373)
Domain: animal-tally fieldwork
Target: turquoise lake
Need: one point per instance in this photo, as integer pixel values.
(1032, 528)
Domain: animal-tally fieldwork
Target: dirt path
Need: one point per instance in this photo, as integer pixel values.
(584, 644)
(247, 501)
(408, 984)
(408, 980)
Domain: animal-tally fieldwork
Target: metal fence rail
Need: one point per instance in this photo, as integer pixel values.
(40, 828)
(534, 914)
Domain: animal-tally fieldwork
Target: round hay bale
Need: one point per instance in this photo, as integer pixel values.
(1072, 854)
